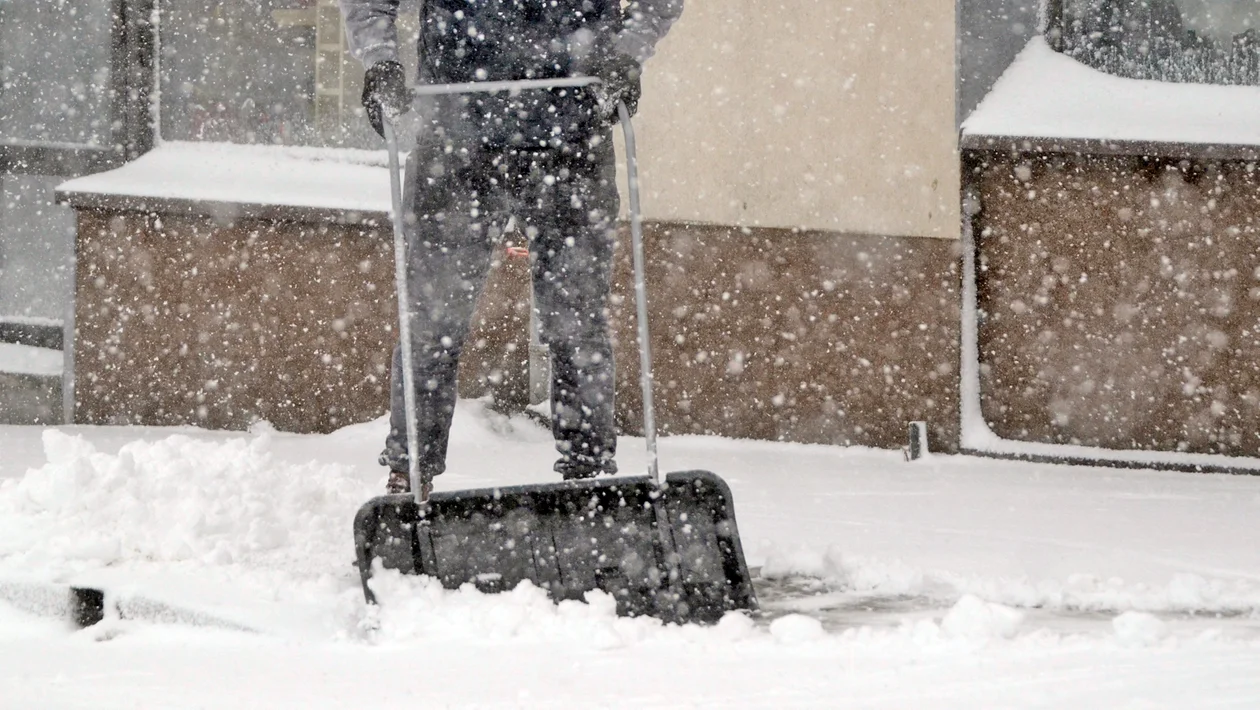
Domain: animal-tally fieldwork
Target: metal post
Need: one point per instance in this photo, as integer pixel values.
(917, 447)
(68, 383)
(539, 356)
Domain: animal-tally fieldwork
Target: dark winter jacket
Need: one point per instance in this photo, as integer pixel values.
(488, 40)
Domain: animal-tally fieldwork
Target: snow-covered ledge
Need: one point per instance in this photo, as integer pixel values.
(228, 181)
(1048, 102)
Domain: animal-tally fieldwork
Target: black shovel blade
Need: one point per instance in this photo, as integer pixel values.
(669, 551)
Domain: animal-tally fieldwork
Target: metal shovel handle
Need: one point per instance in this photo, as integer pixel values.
(640, 293)
(419, 486)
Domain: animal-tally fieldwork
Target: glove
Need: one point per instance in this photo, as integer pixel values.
(385, 94)
(619, 77)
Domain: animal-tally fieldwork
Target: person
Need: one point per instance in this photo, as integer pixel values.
(543, 157)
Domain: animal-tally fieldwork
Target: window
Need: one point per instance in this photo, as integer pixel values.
(63, 112)
(1201, 41)
(54, 71)
(260, 71)
(36, 249)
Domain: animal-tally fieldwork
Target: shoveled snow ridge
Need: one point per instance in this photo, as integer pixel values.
(1184, 593)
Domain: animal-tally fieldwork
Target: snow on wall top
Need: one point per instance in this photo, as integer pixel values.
(27, 360)
(31, 320)
(1044, 94)
(353, 180)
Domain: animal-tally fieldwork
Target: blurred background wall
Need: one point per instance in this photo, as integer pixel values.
(833, 116)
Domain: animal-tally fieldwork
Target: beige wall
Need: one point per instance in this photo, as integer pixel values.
(812, 114)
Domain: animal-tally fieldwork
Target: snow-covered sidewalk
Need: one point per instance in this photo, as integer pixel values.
(948, 583)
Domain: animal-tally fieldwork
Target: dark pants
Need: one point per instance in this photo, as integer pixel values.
(459, 198)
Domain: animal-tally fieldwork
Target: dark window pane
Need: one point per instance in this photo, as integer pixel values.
(54, 71)
(36, 248)
(259, 71)
(1220, 20)
(1200, 41)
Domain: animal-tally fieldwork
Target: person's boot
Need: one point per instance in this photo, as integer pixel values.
(576, 468)
(399, 480)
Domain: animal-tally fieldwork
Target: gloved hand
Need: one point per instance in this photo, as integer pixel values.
(385, 94)
(619, 77)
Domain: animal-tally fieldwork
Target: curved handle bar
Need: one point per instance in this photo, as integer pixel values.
(513, 86)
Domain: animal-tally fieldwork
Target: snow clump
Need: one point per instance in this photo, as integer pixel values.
(797, 628)
(1138, 629)
(976, 619)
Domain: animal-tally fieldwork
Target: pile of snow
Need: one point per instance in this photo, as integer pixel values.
(420, 609)
(179, 499)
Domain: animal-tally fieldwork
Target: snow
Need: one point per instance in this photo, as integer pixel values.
(30, 360)
(1136, 628)
(17, 625)
(352, 180)
(1045, 94)
(974, 618)
(32, 320)
(954, 582)
(796, 628)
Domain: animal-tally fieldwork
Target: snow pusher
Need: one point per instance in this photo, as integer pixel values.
(663, 548)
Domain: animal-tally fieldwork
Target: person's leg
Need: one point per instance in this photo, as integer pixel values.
(572, 207)
(450, 239)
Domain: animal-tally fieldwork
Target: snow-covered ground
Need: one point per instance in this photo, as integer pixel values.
(953, 582)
